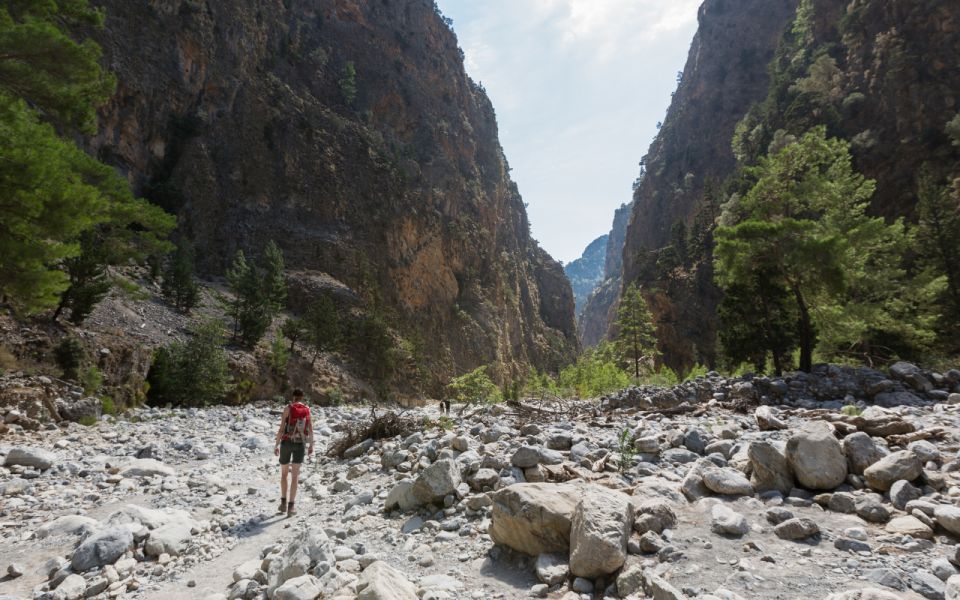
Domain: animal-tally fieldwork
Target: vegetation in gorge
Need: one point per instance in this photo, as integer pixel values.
(801, 240)
(66, 216)
(191, 373)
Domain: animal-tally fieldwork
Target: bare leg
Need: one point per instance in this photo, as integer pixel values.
(283, 480)
(295, 473)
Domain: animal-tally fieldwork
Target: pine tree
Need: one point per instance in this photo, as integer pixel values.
(295, 330)
(89, 283)
(250, 307)
(757, 322)
(53, 192)
(322, 327)
(179, 280)
(43, 64)
(803, 226)
(636, 336)
(194, 373)
(275, 285)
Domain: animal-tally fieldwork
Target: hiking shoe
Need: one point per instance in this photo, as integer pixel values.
(291, 511)
(283, 506)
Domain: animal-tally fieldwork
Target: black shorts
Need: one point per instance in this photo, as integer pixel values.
(291, 452)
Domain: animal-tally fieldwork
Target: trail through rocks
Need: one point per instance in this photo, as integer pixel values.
(712, 490)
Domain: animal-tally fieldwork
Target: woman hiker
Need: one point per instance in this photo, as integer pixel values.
(295, 432)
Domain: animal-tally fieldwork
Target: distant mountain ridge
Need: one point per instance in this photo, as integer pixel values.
(586, 273)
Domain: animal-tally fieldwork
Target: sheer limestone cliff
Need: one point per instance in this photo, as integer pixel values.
(586, 273)
(600, 308)
(348, 132)
(882, 76)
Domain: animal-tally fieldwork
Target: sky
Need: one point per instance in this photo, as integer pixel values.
(578, 87)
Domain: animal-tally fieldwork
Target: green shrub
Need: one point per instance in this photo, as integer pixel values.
(108, 406)
(279, 357)
(91, 379)
(335, 397)
(851, 410)
(194, 373)
(70, 356)
(626, 448)
(474, 387)
(88, 420)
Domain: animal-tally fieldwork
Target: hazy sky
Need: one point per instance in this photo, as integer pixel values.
(578, 86)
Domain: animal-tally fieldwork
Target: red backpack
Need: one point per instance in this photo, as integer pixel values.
(298, 423)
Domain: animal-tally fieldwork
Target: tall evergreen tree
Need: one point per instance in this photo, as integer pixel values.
(250, 308)
(275, 285)
(636, 332)
(322, 327)
(179, 278)
(757, 321)
(804, 226)
(53, 192)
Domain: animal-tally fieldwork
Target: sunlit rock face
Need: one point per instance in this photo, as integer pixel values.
(348, 132)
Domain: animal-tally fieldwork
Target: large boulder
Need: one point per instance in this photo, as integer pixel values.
(728, 482)
(80, 410)
(380, 581)
(599, 532)
(861, 451)
(67, 525)
(146, 467)
(654, 515)
(310, 547)
(72, 587)
(305, 587)
(436, 481)
(767, 419)
(401, 497)
(534, 518)
(891, 468)
(172, 537)
(769, 469)
(911, 375)
(816, 457)
(30, 457)
(101, 549)
(726, 521)
(952, 589)
(948, 517)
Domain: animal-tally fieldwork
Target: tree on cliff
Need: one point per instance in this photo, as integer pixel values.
(179, 279)
(55, 194)
(803, 228)
(636, 339)
(938, 216)
(249, 307)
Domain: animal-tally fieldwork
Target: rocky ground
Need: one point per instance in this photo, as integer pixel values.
(748, 488)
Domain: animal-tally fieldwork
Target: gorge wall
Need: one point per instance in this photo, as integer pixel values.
(599, 310)
(874, 73)
(586, 272)
(348, 132)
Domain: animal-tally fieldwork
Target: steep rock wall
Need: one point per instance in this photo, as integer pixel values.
(348, 132)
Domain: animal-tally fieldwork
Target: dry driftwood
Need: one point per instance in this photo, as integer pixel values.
(388, 425)
(923, 434)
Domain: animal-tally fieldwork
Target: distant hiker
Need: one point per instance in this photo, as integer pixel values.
(296, 431)
(445, 407)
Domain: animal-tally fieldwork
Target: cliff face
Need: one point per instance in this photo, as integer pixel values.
(348, 132)
(586, 273)
(600, 307)
(878, 74)
(726, 73)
